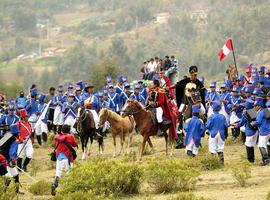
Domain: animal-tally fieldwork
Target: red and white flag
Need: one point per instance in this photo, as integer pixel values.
(225, 50)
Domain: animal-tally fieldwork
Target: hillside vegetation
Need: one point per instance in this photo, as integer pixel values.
(48, 42)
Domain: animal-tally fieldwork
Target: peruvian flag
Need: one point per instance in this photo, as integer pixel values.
(225, 50)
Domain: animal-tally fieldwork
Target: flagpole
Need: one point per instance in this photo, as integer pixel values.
(234, 59)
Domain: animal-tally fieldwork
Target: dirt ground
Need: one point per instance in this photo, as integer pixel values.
(217, 184)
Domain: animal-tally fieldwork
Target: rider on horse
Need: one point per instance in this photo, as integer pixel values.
(157, 99)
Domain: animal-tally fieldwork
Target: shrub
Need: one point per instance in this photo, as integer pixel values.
(210, 162)
(40, 188)
(103, 177)
(79, 195)
(187, 196)
(171, 175)
(268, 196)
(242, 172)
(9, 192)
(35, 167)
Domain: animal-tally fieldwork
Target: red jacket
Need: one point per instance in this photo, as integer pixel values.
(169, 85)
(62, 148)
(3, 161)
(25, 130)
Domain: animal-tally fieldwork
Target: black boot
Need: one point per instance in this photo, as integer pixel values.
(25, 163)
(265, 159)
(221, 157)
(17, 184)
(268, 150)
(190, 154)
(233, 134)
(250, 154)
(39, 140)
(160, 131)
(54, 185)
(44, 137)
(243, 137)
(19, 163)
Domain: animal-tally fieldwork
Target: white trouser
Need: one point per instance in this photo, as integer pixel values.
(106, 126)
(11, 171)
(159, 112)
(216, 144)
(263, 140)
(70, 120)
(251, 140)
(191, 147)
(58, 117)
(62, 166)
(25, 149)
(32, 120)
(95, 117)
(41, 127)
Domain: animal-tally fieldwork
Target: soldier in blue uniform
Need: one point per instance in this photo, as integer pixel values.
(70, 113)
(194, 129)
(248, 92)
(211, 96)
(225, 97)
(58, 100)
(21, 100)
(125, 95)
(31, 106)
(120, 86)
(143, 91)
(218, 129)
(236, 109)
(250, 130)
(105, 100)
(78, 95)
(114, 99)
(69, 91)
(10, 118)
(263, 124)
(137, 95)
(41, 126)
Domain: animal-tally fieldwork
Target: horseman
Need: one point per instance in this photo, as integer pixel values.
(92, 104)
(167, 85)
(157, 99)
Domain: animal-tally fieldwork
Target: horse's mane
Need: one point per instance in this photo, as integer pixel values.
(111, 114)
(138, 105)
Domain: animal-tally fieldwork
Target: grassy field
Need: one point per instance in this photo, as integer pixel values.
(216, 184)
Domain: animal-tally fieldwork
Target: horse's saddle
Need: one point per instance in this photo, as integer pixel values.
(153, 112)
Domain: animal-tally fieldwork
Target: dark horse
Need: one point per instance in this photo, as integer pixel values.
(86, 129)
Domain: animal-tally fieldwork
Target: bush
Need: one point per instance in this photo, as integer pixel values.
(7, 193)
(187, 196)
(103, 177)
(242, 172)
(171, 175)
(268, 196)
(40, 188)
(79, 195)
(210, 162)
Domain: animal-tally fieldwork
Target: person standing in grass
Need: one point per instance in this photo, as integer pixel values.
(218, 129)
(195, 131)
(64, 154)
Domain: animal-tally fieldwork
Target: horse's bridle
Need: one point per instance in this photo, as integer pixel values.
(133, 111)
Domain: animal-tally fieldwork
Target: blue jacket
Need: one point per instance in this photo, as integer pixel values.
(31, 106)
(217, 123)
(195, 130)
(9, 119)
(69, 109)
(212, 96)
(41, 107)
(244, 122)
(139, 97)
(227, 97)
(143, 93)
(123, 98)
(119, 89)
(114, 101)
(58, 99)
(94, 101)
(236, 105)
(105, 104)
(21, 101)
(262, 123)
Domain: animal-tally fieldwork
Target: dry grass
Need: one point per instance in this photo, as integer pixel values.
(215, 184)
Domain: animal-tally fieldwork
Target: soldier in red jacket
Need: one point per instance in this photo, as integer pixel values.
(64, 154)
(3, 165)
(25, 147)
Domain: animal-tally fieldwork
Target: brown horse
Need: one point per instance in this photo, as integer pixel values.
(121, 126)
(144, 122)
